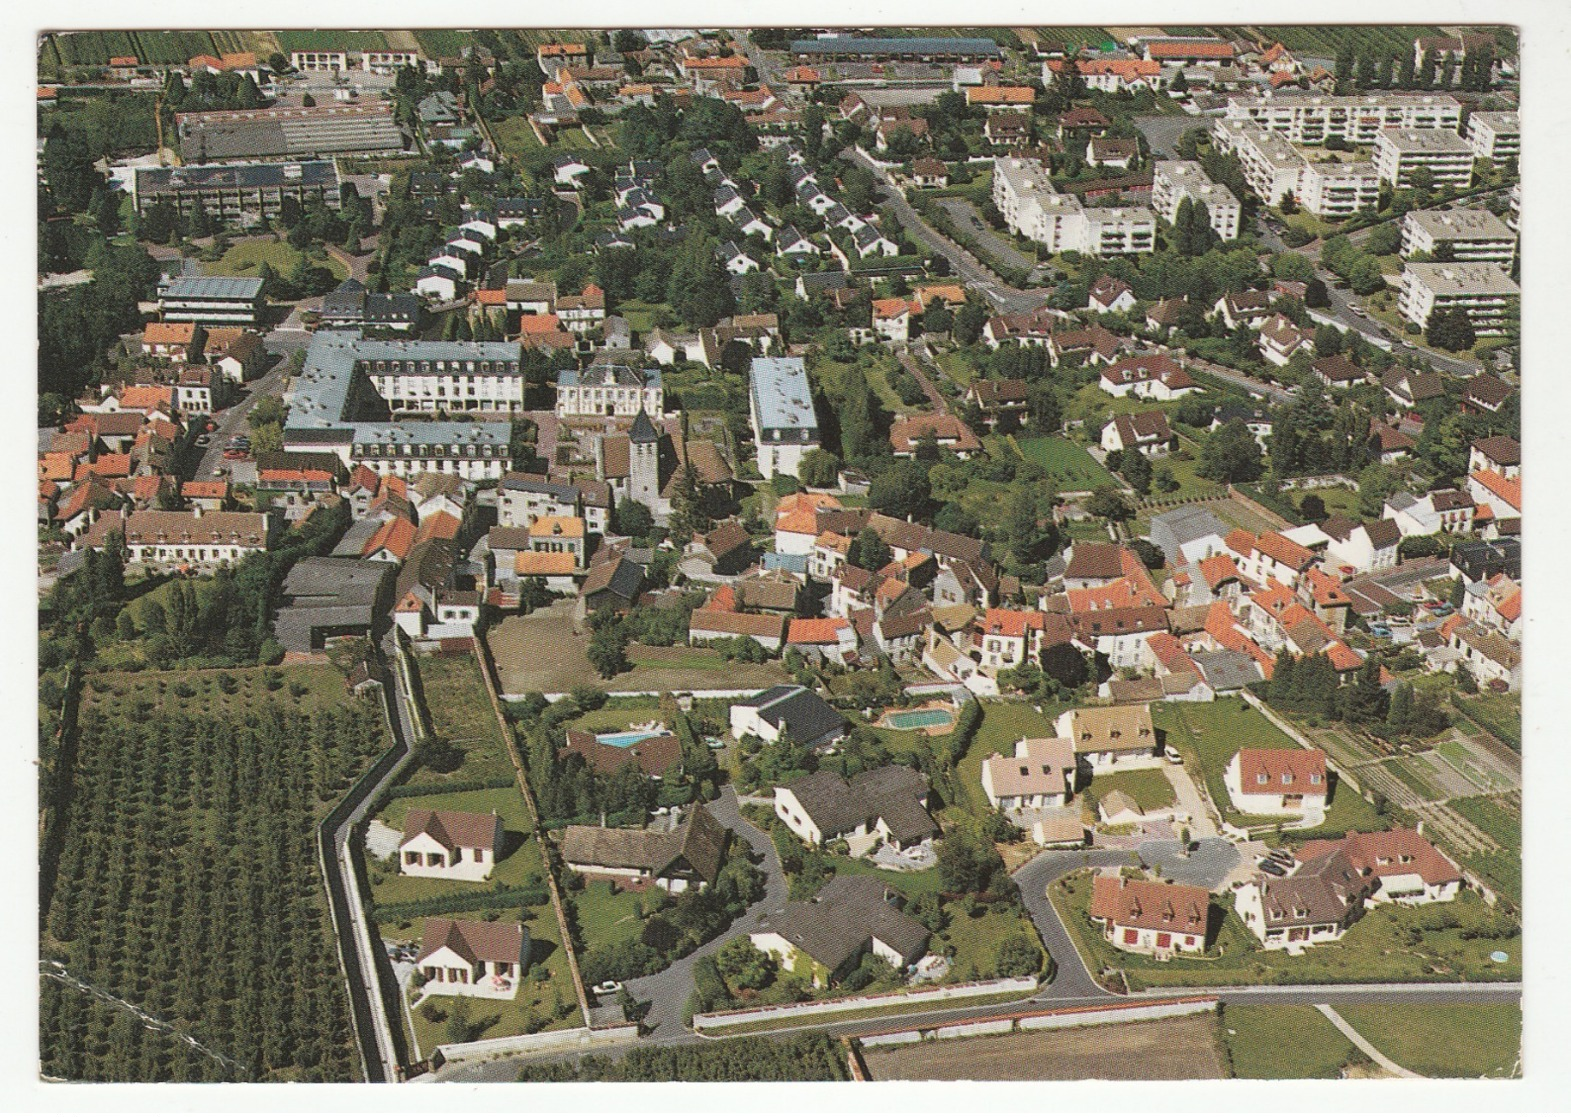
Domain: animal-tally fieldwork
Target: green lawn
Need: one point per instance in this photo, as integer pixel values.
(248, 257)
(1149, 788)
(976, 939)
(513, 135)
(330, 39)
(307, 686)
(1003, 723)
(1443, 1041)
(1208, 734)
(610, 719)
(520, 860)
(1376, 948)
(1067, 463)
(958, 366)
(607, 917)
(460, 711)
(1283, 1042)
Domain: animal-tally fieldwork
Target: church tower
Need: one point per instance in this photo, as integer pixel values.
(643, 465)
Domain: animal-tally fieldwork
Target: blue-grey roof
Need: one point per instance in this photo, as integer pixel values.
(216, 176)
(782, 397)
(791, 564)
(212, 287)
(982, 48)
(608, 376)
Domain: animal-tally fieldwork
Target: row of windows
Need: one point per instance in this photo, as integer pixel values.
(513, 368)
(409, 450)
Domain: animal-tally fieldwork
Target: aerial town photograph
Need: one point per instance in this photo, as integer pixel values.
(833, 554)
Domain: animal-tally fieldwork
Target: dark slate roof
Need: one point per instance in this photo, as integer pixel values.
(843, 919)
(802, 713)
(643, 430)
(892, 793)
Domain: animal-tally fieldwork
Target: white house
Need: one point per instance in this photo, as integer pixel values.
(1277, 781)
(473, 958)
(1147, 432)
(1041, 773)
(1151, 916)
(888, 803)
(792, 711)
(1111, 738)
(451, 845)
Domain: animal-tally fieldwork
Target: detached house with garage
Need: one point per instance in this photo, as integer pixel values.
(790, 711)
(473, 958)
(825, 938)
(1041, 773)
(1111, 738)
(451, 845)
(1277, 781)
(1316, 904)
(688, 857)
(888, 803)
(1405, 865)
(1147, 432)
(1151, 916)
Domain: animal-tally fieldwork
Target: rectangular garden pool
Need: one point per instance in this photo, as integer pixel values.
(920, 719)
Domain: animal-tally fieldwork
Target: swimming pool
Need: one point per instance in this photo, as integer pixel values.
(629, 739)
(919, 719)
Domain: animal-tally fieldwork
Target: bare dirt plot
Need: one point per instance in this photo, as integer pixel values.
(543, 652)
(1185, 1047)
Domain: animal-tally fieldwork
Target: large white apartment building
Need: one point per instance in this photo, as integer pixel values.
(1473, 234)
(780, 405)
(1308, 118)
(433, 376)
(1495, 136)
(1033, 208)
(1274, 168)
(1400, 152)
(1173, 180)
(319, 61)
(1482, 290)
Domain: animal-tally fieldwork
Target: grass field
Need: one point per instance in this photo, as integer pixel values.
(1067, 463)
(461, 712)
(1149, 788)
(247, 258)
(1283, 1042)
(1003, 723)
(520, 857)
(1443, 1041)
(1385, 40)
(607, 918)
(513, 135)
(442, 44)
(309, 687)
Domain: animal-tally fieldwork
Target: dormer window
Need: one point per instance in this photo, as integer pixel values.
(1314, 778)
(1287, 778)
(1262, 778)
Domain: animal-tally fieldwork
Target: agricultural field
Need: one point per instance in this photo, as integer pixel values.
(1444, 1041)
(96, 48)
(1180, 1048)
(442, 43)
(1500, 819)
(188, 882)
(1327, 41)
(461, 714)
(330, 39)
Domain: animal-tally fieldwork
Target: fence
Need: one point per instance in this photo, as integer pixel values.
(1047, 1019)
(1021, 985)
(567, 1039)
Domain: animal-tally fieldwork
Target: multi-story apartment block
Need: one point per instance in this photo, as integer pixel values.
(214, 300)
(336, 405)
(231, 191)
(319, 61)
(609, 390)
(1482, 290)
(1514, 213)
(1274, 168)
(387, 61)
(1034, 209)
(1308, 118)
(1496, 136)
(1400, 152)
(780, 406)
(437, 376)
(1473, 234)
(1173, 180)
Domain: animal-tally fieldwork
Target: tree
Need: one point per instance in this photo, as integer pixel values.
(901, 490)
(1019, 955)
(1230, 454)
(1106, 502)
(308, 101)
(1137, 471)
(969, 321)
(1450, 330)
(968, 863)
(1315, 295)
(819, 469)
(1066, 664)
(1365, 702)
(632, 518)
(1399, 714)
(869, 551)
(607, 651)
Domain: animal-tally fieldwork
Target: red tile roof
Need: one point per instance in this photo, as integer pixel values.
(1150, 905)
(1289, 771)
(1508, 489)
(817, 630)
(1387, 853)
(396, 535)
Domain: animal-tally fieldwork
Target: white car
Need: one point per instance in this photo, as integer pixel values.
(606, 988)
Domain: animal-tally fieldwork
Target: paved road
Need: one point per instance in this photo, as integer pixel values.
(1257, 388)
(668, 990)
(1072, 979)
(964, 265)
(964, 213)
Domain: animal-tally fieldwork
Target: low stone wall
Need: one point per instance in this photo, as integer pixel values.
(936, 995)
(568, 1039)
(1050, 1018)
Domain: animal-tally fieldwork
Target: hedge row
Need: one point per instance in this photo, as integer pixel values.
(410, 790)
(531, 894)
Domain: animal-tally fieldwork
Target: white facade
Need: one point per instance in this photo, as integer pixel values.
(1173, 180)
(450, 974)
(1496, 136)
(1474, 235)
(1400, 152)
(1483, 291)
(319, 61)
(1033, 208)
(1265, 798)
(424, 856)
(609, 390)
(1309, 118)
(1248, 901)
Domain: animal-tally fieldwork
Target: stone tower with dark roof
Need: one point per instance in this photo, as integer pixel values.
(643, 478)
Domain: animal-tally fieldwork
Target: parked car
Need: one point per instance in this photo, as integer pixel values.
(1269, 866)
(607, 988)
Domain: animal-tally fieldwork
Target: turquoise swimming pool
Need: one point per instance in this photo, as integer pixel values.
(629, 739)
(920, 719)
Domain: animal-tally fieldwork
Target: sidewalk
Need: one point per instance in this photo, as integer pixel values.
(1363, 1044)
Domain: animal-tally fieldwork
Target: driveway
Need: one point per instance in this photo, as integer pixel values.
(914, 367)
(235, 419)
(1191, 801)
(1210, 863)
(1071, 979)
(667, 991)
